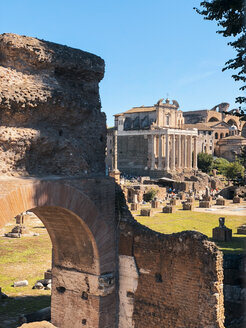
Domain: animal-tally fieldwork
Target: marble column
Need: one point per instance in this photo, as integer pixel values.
(185, 152)
(160, 152)
(173, 153)
(179, 152)
(167, 154)
(190, 152)
(195, 154)
(152, 165)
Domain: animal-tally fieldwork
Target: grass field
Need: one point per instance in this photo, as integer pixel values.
(25, 258)
(202, 222)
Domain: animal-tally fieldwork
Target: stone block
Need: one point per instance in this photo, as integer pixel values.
(207, 198)
(236, 200)
(222, 234)
(188, 207)
(204, 204)
(174, 202)
(242, 230)
(168, 209)
(48, 274)
(134, 207)
(155, 204)
(146, 212)
(220, 201)
(190, 200)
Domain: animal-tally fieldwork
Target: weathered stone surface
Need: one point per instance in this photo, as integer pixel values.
(146, 212)
(204, 204)
(188, 206)
(222, 234)
(237, 200)
(168, 209)
(50, 115)
(220, 201)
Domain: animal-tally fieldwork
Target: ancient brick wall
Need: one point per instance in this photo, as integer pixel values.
(177, 280)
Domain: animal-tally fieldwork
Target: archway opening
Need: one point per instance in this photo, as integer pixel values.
(213, 119)
(75, 264)
(25, 275)
(244, 130)
(232, 122)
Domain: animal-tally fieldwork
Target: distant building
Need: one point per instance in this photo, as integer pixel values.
(229, 147)
(152, 140)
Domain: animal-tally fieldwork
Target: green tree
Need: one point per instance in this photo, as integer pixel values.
(150, 195)
(220, 164)
(204, 162)
(242, 156)
(234, 170)
(230, 16)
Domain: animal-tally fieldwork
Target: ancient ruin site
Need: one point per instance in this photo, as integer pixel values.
(107, 228)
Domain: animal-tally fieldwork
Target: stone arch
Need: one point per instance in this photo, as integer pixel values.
(216, 135)
(83, 261)
(232, 122)
(244, 130)
(213, 119)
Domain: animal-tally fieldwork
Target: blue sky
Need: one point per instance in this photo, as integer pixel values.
(151, 48)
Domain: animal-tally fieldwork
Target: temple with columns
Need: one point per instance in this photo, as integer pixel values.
(152, 140)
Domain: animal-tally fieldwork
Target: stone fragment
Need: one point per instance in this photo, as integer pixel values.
(168, 209)
(222, 233)
(21, 283)
(146, 212)
(204, 204)
(242, 230)
(38, 285)
(188, 206)
(134, 207)
(236, 200)
(220, 201)
(155, 204)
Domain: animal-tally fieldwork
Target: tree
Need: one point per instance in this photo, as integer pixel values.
(230, 15)
(220, 164)
(242, 156)
(234, 171)
(204, 162)
(150, 195)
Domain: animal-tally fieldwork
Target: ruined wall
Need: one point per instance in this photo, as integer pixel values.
(50, 118)
(132, 152)
(168, 280)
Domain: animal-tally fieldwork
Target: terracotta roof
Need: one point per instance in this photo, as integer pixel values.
(144, 109)
(235, 138)
(199, 126)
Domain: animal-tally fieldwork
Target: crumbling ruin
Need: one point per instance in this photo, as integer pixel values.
(108, 270)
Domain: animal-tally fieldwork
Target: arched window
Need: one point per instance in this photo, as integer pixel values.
(221, 135)
(213, 119)
(227, 134)
(167, 119)
(216, 135)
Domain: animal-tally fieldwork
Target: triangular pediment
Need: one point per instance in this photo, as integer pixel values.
(219, 125)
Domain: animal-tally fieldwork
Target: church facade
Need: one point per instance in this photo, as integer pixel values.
(152, 140)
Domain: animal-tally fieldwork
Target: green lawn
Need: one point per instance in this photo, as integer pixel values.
(25, 258)
(202, 222)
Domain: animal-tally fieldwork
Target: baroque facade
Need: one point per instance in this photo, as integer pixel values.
(152, 140)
